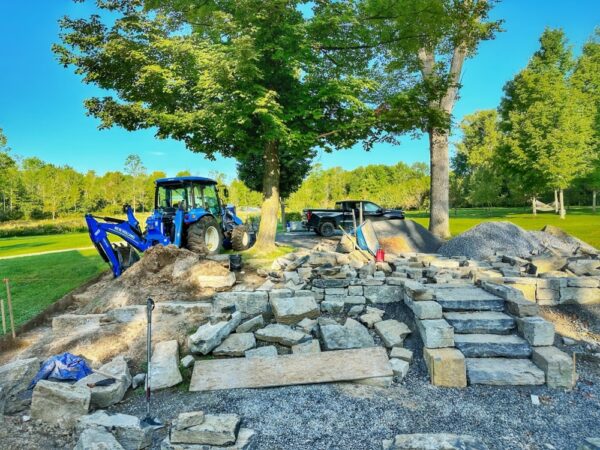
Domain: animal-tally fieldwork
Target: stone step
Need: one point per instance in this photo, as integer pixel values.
(489, 322)
(492, 346)
(503, 372)
(467, 299)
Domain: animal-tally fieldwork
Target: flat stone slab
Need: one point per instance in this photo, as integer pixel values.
(291, 310)
(431, 441)
(492, 322)
(215, 429)
(285, 370)
(164, 365)
(269, 351)
(467, 299)
(503, 372)
(209, 336)
(492, 345)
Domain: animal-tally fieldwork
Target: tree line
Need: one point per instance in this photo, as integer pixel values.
(33, 189)
(544, 137)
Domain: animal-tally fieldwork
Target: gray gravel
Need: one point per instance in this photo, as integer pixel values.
(488, 238)
(349, 416)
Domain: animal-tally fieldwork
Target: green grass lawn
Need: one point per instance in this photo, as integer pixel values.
(38, 281)
(36, 244)
(580, 222)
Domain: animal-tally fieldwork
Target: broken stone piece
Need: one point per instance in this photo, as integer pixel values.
(292, 310)
(392, 332)
(236, 344)
(351, 335)
(126, 429)
(97, 438)
(251, 325)
(209, 336)
(401, 353)
(400, 367)
(188, 419)
(187, 361)
(269, 351)
(281, 334)
(307, 347)
(105, 396)
(14, 379)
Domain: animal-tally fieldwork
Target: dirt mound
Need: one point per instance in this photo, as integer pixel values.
(490, 238)
(401, 236)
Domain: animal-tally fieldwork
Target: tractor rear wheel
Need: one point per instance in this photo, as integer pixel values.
(204, 237)
(240, 238)
(126, 255)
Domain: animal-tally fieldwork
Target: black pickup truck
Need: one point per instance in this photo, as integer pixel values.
(325, 221)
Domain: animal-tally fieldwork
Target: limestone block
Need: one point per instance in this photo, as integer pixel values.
(436, 333)
(446, 367)
(536, 330)
(557, 365)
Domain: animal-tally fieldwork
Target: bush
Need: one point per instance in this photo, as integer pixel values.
(293, 216)
(41, 227)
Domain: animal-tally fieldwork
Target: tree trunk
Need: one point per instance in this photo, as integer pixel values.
(556, 201)
(534, 205)
(267, 230)
(283, 222)
(439, 221)
(594, 192)
(561, 197)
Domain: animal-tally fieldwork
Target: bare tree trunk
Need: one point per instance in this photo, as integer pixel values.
(561, 197)
(594, 192)
(283, 222)
(534, 205)
(439, 221)
(556, 201)
(267, 230)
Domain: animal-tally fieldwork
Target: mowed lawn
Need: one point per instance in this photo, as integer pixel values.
(580, 222)
(38, 281)
(23, 245)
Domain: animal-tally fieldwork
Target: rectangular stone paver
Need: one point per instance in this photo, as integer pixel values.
(503, 372)
(341, 365)
(468, 299)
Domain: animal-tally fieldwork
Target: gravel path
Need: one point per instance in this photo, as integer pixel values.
(350, 416)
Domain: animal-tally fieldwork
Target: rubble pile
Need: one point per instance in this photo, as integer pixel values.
(489, 238)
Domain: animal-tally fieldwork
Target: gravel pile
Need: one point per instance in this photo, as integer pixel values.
(489, 238)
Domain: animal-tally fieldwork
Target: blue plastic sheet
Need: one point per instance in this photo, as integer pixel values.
(63, 367)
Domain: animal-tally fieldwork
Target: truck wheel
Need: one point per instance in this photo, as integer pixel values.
(126, 255)
(204, 237)
(327, 229)
(240, 238)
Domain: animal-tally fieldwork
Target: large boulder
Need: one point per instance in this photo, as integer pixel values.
(126, 429)
(209, 336)
(164, 365)
(59, 403)
(105, 396)
(351, 335)
(14, 380)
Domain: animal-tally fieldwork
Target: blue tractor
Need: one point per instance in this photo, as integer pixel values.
(187, 213)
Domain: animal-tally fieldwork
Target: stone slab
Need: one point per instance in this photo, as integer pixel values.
(164, 365)
(392, 332)
(436, 333)
(503, 372)
(493, 322)
(537, 331)
(215, 429)
(324, 367)
(59, 404)
(291, 310)
(281, 334)
(441, 441)
(383, 294)
(468, 299)
(236, 344)
(492, 345)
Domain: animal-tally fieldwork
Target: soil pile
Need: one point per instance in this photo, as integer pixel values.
(490, 238)
(401, 236)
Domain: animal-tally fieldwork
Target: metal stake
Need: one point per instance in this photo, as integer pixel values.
(3, 315)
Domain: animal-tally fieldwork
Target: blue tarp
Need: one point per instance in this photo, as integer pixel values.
(63, 367)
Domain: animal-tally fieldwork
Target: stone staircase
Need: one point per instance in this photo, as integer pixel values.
(487, 337)
(500, 344)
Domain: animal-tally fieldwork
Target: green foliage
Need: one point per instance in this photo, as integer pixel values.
(477, 162)
(548, 135)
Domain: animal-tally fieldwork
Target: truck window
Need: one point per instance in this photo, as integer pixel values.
(370, 207)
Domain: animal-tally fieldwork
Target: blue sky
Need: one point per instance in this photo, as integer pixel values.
(41, 103)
